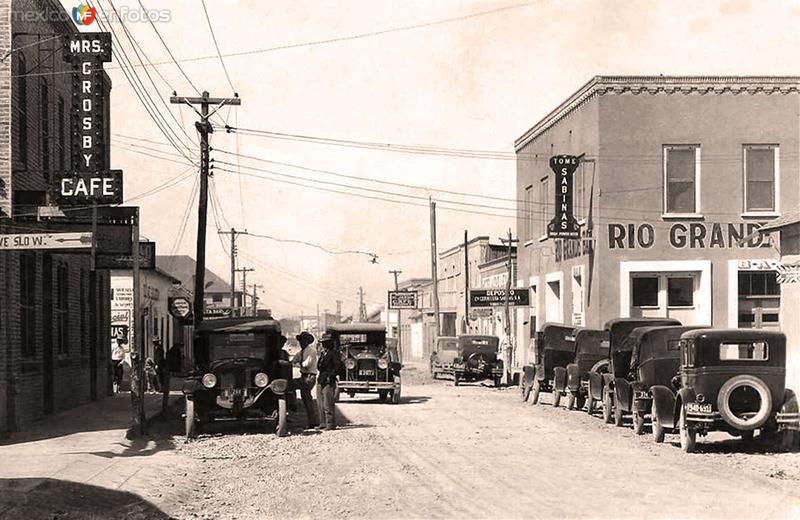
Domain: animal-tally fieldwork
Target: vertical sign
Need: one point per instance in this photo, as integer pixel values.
(87, 52)
(563, 224)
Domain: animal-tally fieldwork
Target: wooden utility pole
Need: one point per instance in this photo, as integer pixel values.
(509, 341)
(204, 128)
(465, 325)
(244, 271)
(362, 312)
(434, 270)
(138, 421)
(234, 252)
(397, 272)
(255, 298)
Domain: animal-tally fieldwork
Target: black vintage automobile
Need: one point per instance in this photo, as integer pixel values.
(240, 375)
(655, 360)
(601, 386)
(369, 365)
(553, 351)
(591, 355)
(731, 380)
(476, 359)
(442, 358)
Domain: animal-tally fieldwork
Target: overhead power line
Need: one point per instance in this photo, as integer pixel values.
(216, 46)
(317, 246)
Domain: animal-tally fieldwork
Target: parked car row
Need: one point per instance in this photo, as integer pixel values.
(683, 380)
(467, 358)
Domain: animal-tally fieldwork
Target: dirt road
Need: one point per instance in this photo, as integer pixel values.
(477, 452)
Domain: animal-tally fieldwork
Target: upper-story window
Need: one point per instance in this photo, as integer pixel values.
(682, 179)
(544, 205)
(61, 146)
(44, 128)
(761, 178)
(527, 213)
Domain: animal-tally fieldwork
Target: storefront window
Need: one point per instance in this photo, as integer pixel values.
(645, 291)
(680, 178)
(759, 283)
(680, 292)
(759, 174)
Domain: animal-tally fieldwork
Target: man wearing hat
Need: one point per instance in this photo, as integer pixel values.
(306, 359)
(329, 365)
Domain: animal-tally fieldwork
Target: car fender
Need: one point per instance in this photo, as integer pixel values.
(790, 402)
(596, 385)
(560, 379)
(685, 395)
(190, 386)
(622, 394)
(539, 373)
(573, 377)
(664, 404)
(528, 371)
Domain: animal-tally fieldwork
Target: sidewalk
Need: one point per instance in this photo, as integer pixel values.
(80, 460)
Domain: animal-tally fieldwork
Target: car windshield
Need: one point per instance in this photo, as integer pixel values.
(237, 345)
(448, 344)
(746, 351)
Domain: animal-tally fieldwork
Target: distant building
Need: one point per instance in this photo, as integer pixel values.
(217, 293)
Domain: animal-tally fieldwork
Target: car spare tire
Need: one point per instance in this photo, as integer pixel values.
(727, 410)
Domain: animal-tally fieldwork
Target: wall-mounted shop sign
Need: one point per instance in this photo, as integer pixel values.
(181, 308)
(147, 258)
(517, 296)
(218, 312)
(686, 235)
(567, 249)
(84, 188)
(87, 52)
(403, 300)
(563, 224)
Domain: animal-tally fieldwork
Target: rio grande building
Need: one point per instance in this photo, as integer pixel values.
(676, 175)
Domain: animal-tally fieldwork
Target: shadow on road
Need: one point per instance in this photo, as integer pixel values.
(406, 399)
(62, 500)
(758, 446)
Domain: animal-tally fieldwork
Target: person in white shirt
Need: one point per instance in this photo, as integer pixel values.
(306, 359)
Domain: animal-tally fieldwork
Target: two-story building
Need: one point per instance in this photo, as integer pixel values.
(676, 173)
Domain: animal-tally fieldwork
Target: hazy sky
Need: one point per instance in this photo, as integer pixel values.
(474, 83)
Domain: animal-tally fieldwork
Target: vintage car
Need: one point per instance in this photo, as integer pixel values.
(601, 386)
(369, 365)
(554, 349)
(731, 380)
(442, 358)
(591, 355)
(655, 360)
(476, 359)
(240, 375)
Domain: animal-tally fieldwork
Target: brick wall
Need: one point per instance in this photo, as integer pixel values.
(5, 110)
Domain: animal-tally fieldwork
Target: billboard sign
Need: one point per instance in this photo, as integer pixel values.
(403, 300)
(563, 224)
(517, 297)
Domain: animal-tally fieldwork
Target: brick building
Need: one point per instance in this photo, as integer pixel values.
(676, 175)
(54, 311)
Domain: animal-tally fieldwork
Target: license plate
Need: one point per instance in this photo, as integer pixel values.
(366, 372)
(698, 407)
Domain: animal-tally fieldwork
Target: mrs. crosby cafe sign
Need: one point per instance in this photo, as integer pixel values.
(89, 181)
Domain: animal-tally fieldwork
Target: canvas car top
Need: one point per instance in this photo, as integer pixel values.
(476, 342)
(708, 342)
(619, 328)
(356, 327)
(558, 336)
(657, 341)
(240, 325)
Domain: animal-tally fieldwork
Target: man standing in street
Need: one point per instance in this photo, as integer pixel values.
(328, 366)
(306, 359)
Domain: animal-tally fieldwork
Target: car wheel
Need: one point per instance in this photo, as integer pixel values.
(638, 422)
(190, 423)
(688, 435)
(525, 390)
(396, 396)
(618, 416)
(535, 391)
(556, 398)
(382, 394)
(589, 404)
(456, 379)
(789, 440)
(570, 401)
(282, 426)
(658, 428)
(608, 414)
(580, 401)
(497, 381)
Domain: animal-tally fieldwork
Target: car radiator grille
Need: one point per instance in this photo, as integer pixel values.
(366, 370)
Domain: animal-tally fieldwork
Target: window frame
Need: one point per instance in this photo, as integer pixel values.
(775, 211)
(693, 281)
(667, 213)
(658, 290)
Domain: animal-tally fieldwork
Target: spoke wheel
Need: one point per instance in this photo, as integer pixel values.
(618, 415)
(688, 435)
(658, 428)
(190, 424)
(525, 390)
(608, 413)
(282, 425)
(570, 401)
(589, 404)
(638, 421)
(535, 392)
(556, 398)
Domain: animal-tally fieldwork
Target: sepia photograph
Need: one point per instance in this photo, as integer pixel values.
(399, 259)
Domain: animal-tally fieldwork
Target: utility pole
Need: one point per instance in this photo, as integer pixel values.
(466, 283)
(205, 129)
(362, 314)
(244, 271)
(137, 351)
(397, 272)
(434, 270)
(509, 342)
(255, 298)
(234, 252)
(339, 311)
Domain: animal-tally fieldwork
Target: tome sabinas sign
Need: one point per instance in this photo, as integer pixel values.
(563, 224)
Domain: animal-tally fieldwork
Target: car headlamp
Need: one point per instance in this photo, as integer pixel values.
(209, 380)
(383, 363)
(261, 380)
(350, 363)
